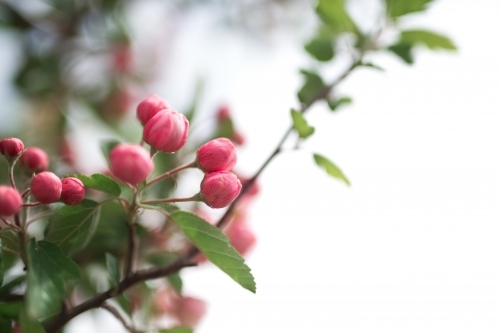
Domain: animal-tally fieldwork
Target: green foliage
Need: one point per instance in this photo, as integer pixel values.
(175, 282)
(1, 263)
(427, 38)
(163, 259)
(165, 206)
(334, 14)
(13, 283)
(312, 86)
(72, 227)
(321, 46)
(331, 168)
(113, 267)
(48, 272)
(106, 146)
(216, 247)
(397, 8)
(402, 50)
(370, 65)
(335, 104)
(29, 324)
(300, 124)
(178, 329)
(101, 182)
(5, 325)
(10, 310)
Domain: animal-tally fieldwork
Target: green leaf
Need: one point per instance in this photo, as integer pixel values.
(10, 310)
(48, 271)
(175, 282)
(428, 38)
(337, 103)
(216, 247)
(334, 14)
(72, 227)
(106, 146)
(397, 8)
(165, 206)
(312, 87)
(370, 65)
(320, 48)
(191, 112)
(5, 325)
(28, 324)
(300, 124)
(402, 50)
(1, 262)
(113, 269)
(12, 284)
(331, 168)
(101, 182)
(178, 329)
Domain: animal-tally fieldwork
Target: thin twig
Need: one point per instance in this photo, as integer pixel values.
(120, 318)
(171, 173)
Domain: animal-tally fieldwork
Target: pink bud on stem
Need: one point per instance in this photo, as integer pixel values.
(190, 311)
(217, 155)
(11, 148)
(73, 191)
(10, 201)
(149, 107)
(241, 237)
(34, 160)
(219, 189)
(130, 163)
(46, 187)
(167, 131)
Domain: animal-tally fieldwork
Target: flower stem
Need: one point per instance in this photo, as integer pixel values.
(170, 173)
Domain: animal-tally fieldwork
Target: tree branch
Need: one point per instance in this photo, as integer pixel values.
(120, 318)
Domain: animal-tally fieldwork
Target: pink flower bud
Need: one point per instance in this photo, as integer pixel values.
(10, 201)
(130, 163)
(167, 131)
(238, 138)
(149, 107)
(11, 147)
(223, 114)
(217, 155)
(46, 187)
(241, 237)
(73, 191)
(190, 310)
(219, 189)
(34, 160)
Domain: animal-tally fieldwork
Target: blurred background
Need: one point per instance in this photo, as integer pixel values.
(413, 245)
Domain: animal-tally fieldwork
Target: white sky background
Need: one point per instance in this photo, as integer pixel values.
(414, 244)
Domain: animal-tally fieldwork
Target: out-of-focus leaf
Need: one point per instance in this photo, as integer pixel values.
(29, 324)
(370, 65)
(334, 14)
(175, 282)
(10, 310)
(312, 87)
(72, 227)
(48, 272)
(397, 8)
(12, 284)
(165, 206)
(335, 104)
(321, 47)
(5, 325)
(331, 168)
(101, 182)
(428, 38)
(403, 50)
(106, 146)
(178, 329)
(216, 247)
(1, 263)
(113, 267)
(191, 112)
(300, 124)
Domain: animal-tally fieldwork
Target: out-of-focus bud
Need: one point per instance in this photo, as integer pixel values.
(241, 237)
(130, 163)
(238, 138)
(217, 155)
(254, 188)
(10, 201)
(149, 107)
(167, 131)
(46, 187)
(11, 147)
(223, 114)
(73, 191)
(121, 57)
(34, 160)
(189, 311)
(219, 189)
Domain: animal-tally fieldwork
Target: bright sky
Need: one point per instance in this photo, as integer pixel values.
(414, 244)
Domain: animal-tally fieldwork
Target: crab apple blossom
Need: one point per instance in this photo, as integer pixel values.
(189, 311)
(10, 201)
(11, 147)
(149, 107)
(240, 236)
(73, 191)
(217, 155)
(34, 160)
(130, 163)
(167, 131)
(219, 189)
(46, 187)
